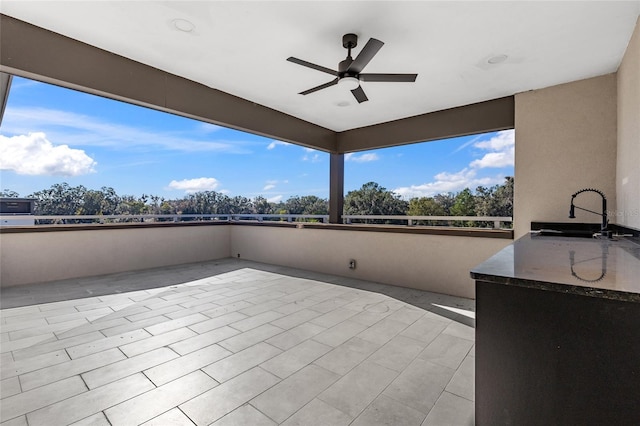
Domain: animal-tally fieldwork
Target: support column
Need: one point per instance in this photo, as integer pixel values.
(336, 187)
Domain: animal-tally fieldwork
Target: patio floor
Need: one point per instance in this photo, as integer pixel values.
(234, 342)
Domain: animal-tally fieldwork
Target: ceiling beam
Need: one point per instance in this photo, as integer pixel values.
(33, 52)
(5, 86)
(489, 116)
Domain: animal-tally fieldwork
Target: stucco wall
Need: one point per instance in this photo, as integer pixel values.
(628, 165)
(565, 141)
(48, 256)
(438, 263)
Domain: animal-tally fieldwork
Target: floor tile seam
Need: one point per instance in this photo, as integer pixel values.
(53, 403)
(397, 402)
(86, 315)
(408, 364)
(415, 408)
(177, 319)
(235, 353)
(458, 395)
(200, 368)
(66, 377)
(335, 408)
(177, 407)
(104, 336)
(103, 409)
(204, 301)
(258, 410)
(151, 337)
(282, 380)
(44, 340)
(47, 342)
(442, 365)
(454, 373)
(144, 328)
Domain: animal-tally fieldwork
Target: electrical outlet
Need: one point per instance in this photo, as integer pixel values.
(352, 264)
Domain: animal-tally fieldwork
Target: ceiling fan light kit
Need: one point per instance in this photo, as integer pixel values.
(349, 73)
(349, 83)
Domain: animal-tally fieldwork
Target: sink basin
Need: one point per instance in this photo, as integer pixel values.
(566, 233)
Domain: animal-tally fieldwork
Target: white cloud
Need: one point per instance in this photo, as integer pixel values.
(85, 130)
(275, 199)
(271, 184)
(500, 141)
(34, 154)
(194, 185)
(362, 158)
(502, 147)
(495, 159)
(209, 128)
(315, 158)
(448, 182)
(273, 144)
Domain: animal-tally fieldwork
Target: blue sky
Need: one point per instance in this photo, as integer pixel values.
(52, 135)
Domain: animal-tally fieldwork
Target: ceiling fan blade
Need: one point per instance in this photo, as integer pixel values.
(313, 66)
(366, 54)
(409, 78)
(322, 86)
(358, 93)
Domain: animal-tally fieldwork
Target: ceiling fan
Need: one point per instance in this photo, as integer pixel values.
(349, 73)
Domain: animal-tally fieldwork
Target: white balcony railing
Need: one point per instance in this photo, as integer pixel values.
(450, 221)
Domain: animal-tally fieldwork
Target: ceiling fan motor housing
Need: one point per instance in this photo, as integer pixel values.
(349, 41)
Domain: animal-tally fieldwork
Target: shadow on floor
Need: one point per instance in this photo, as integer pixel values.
(458, 309)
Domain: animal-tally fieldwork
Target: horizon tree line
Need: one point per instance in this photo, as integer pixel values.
(370, 199)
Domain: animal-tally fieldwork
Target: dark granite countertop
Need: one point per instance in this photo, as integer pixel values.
(601, 268)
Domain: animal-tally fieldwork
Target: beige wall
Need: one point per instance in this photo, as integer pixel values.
(48, 256)
(628, 164)
(438, 263)
(565, 141)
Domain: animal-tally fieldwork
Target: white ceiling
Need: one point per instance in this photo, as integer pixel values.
(241, 47)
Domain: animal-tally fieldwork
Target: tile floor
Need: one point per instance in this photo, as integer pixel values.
(234, 342)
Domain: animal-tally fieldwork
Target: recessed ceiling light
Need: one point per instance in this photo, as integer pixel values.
(183, 25)
(497, 59)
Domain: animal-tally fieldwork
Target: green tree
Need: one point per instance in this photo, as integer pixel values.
(504, 198)
(262, 206)
(308, 204)
(60, 199)
(7, 193)
(464, 205)
(495, 201)
(426, 206)
(446, 200)
(373, 199)
(102, 202)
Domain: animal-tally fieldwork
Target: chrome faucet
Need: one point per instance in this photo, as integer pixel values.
(605, 222)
